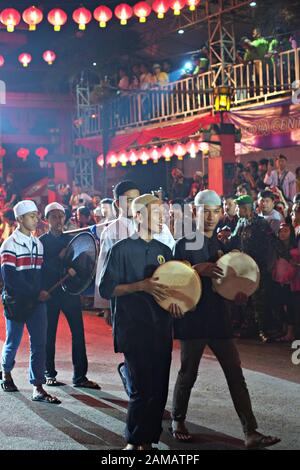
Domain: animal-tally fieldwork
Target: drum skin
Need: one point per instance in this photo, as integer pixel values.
(241, 275)
(183, 282)
(81, 255)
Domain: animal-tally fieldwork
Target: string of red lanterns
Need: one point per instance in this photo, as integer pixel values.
(144, 155)
(57, 17)
(23, 153)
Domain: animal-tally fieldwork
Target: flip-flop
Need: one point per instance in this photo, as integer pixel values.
(88, 384)
(186, 436)
(262, 442)
(52, 382)
(46, 398)
(8, 386)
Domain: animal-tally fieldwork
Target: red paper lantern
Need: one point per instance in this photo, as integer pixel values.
(144, 156)
(82, 16)
(155, 154)
(49, 57)
(192, 4)
(177, 6)
(2, 152)
(23, 153)
(123, 158)
(192, 148)
(112, 159)
(10, 17)
(32, 16)
(167, 152)
(123, 12)
(57, 17)
(142, 10)
(25, 59)
(179, 150)
(41, 152)
(100, 161)
(2, 60)
(102, 14)
(132, 157)
(160, 7)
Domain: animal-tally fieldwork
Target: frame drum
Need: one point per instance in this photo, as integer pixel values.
(241, 275)
(184, 285)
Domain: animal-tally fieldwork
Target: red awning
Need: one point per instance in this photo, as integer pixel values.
(144, 137)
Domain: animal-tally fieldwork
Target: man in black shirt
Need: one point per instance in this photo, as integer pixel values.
(209, 325)
(55, 243)
(142, 330)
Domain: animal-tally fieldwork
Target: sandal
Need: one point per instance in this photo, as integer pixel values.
(88, 384)
(181, 436)
(52, 382)
(8, 386)
(260, 441)
(46, 398)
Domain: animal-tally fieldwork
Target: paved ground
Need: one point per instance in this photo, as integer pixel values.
(95, 419)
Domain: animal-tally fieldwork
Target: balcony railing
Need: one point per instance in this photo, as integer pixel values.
(254, 82)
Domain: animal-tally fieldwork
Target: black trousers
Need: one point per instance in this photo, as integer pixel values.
(71, 307)
(227, 354)
(148, 364)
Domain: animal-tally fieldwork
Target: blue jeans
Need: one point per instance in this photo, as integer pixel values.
(36, 326)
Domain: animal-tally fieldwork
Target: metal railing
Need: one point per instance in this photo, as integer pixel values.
(254, 82)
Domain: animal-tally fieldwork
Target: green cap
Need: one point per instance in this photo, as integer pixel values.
(243, 200)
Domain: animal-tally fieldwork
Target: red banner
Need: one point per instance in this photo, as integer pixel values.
(144, 137)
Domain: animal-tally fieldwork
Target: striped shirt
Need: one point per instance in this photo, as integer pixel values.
(21, 262)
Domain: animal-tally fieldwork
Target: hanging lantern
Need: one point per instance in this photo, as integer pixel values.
(32, 16)
(123, 158)
(132, 157)
(100, 161)
(82, 16)
(57, 17)
(192, 4)
(160, 7)
(167, 152)
(222, 98)
(41, 152)
(144, 156)
(142, 10)
(49, 57)
(102, 14)
(123, 12)
(155, 154)
(2, 152)
(2, 60)
(177, 6)
(192, 148)
(112, 159)
(25, 59)
(23, 153)
(10, 17)
(179, 150)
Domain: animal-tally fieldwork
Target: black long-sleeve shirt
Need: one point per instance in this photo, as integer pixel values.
(210, 319)
(135, 316)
